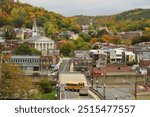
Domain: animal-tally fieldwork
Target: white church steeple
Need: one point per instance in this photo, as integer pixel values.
(34, 29)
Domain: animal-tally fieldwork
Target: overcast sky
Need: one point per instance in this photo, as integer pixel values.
(89, 7)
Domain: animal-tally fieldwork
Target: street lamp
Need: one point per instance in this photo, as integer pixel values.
(135, 88)
(116, 97)
(97, 85)
(56, 96)
(58, 90)
(135, 91)
(92, 82)
(104, 92)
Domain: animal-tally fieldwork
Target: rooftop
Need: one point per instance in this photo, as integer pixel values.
(111, 68)
(37, 39)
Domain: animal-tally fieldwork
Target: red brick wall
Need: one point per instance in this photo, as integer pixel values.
(144, 63)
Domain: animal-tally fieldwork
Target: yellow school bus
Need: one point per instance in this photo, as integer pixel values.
(74, 86)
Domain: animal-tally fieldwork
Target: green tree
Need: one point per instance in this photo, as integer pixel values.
(22, 49)
(50, 28)
(9, 33)
(14, 12)
(22, 12)
(45, 86)
(13, 83)
(67, 48)
(18, 22)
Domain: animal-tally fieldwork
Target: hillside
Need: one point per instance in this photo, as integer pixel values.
(19, 15)
(136, 19)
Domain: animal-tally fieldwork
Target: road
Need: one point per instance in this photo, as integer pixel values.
(64, 76)
(121, 92)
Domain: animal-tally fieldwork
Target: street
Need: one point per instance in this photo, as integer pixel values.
(66, 76)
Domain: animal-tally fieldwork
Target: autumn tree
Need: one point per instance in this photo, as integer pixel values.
(106, 38)
(67, 48)
(93, 40)
(128, 42)
(115, 40)
(147, 31)
(13, 83)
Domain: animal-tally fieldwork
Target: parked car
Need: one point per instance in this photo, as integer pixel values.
(83, 91)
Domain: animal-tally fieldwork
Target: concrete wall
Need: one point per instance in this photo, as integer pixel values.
(120, 79)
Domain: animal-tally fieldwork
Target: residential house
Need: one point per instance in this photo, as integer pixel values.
(81, 64)
(85, 29)
(100, 57)
(82, 60)
(132, 34)
(129, 56)
(113, 69)
(115, 55)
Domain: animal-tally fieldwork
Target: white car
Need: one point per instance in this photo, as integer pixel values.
(83, 91)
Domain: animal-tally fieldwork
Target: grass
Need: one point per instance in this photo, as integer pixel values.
(46, 96)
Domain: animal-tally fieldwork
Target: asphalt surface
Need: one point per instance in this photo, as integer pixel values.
(66, 76)
(119, 92)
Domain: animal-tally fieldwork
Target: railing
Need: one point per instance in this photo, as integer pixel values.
(96, 93)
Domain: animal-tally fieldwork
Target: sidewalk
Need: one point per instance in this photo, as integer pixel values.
(93, 95)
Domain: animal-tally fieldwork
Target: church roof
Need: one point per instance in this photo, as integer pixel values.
(37, 39)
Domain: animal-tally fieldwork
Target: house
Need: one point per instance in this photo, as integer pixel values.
(106, 29)
(143, 71)
(74, 36)
(85, 29)
(81, 54)
(100, 57)
(81, 60)
(66, 34)
(47, 61)
(81, 64)
(130, 56)
(20, 33)
(113, 69)
(115, 55)
(103, 28)
(2, 40)
(132, 34)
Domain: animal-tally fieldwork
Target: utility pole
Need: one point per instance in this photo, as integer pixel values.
(92, 74)
(92, 77)
(135, 91)
(1, 63)
(104, 92)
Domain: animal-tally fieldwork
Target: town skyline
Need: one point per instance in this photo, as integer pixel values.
(89, 7)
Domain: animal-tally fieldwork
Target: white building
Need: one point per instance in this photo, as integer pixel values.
(115, 55)
(40, 43)
(130, 56)
(34, 29)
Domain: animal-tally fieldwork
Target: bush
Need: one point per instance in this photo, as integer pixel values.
(131, 63)
(45, 86)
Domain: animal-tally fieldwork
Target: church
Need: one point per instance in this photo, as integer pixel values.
(38, 42)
